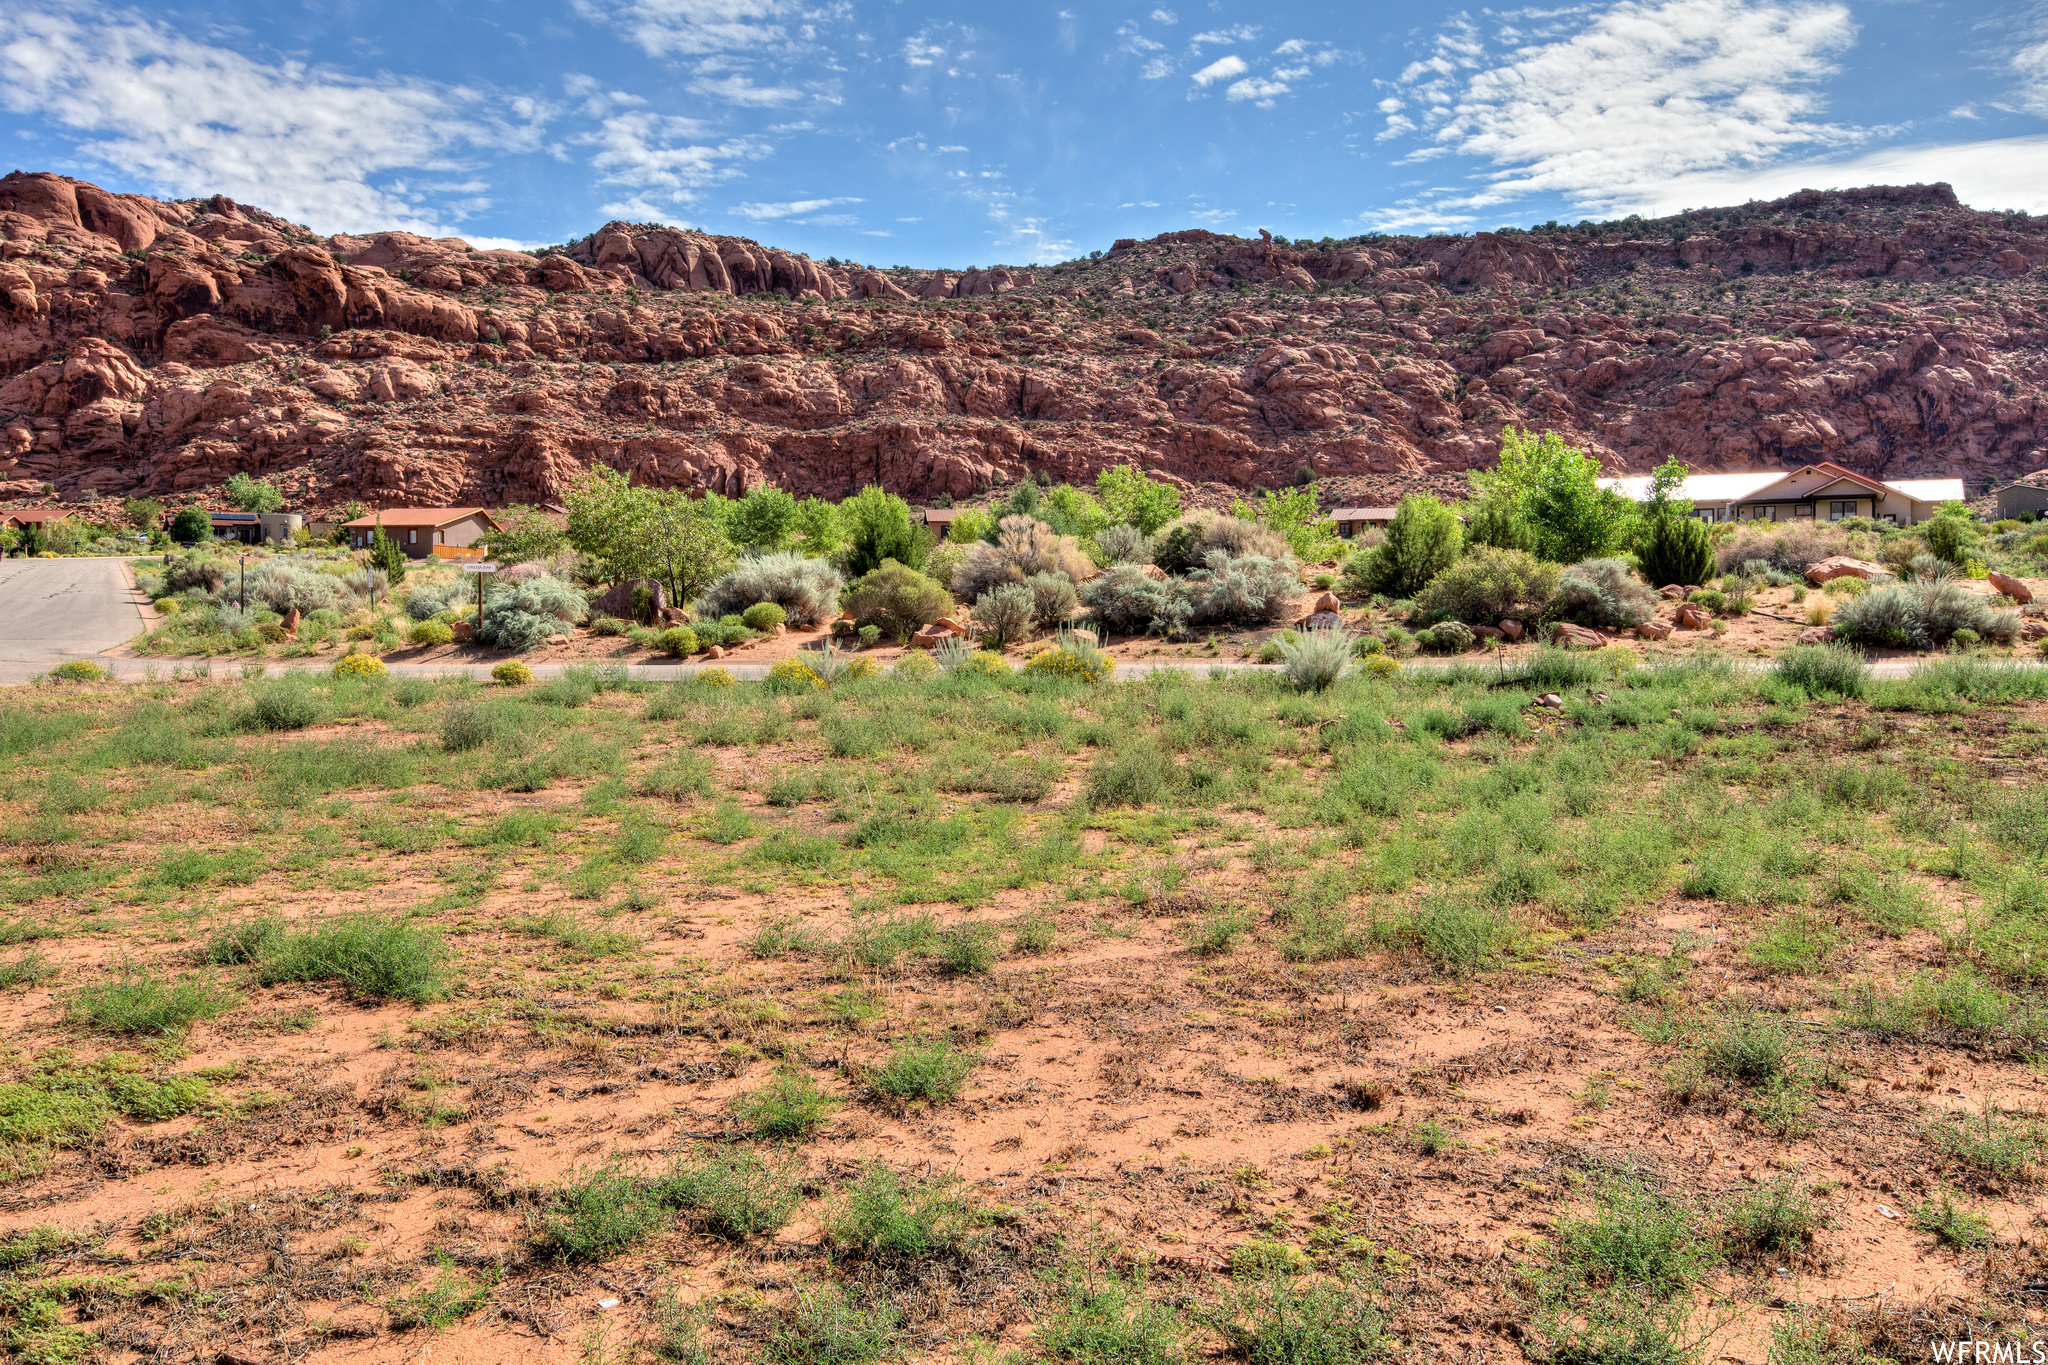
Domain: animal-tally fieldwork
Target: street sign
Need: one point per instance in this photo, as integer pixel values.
(479, 568)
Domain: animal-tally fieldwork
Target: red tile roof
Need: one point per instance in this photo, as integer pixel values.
(418, 516)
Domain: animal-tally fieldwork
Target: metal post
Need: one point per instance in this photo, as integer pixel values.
(245, 582)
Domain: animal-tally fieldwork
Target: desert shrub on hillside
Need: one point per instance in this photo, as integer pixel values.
(1123, 545)
(1251, 590)
(1003, 614)
(525, 615)
(195, 569)
(284, 586)
(1790, 549)
(1921, 615)
(1603, 592)
(1052, 599)
(428, 600)
(807, 589)
(1491, 583)
(897, 600)
(1023, 546)
(1184, 544)
(1123, 601)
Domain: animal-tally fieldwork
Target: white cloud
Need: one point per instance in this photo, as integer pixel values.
(1643, 92)
(1222, 69)
(1236, 33)
(303, 141)
(1257, 88)
(740, 90)
(689, 28)
(662, 156)
(2030, 66)
(1133, 41)
(1997, 173)
(949, 149)
(795, 208)
(1140, 204)
(1165, 16)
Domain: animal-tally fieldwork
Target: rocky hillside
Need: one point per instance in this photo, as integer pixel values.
(154, 348)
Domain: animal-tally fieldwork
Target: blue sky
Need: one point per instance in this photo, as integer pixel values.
(932, 134)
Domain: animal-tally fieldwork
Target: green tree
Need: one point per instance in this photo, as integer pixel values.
(878, 527)
(144, 514)
(385, 555)
(1297, 514)
(1131, 498)
(1952, 534)
(1071, 511)
(1496, 518)
(1557, 488)
(251, 495)
(191, 526)
(765, 519)
(602, 510)
(817, 528)
(684, 545)
(1422, 541)
(659, 533)
(526, 533)
(1664, 499)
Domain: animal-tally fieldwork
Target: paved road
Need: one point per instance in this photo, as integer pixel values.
(57, 609)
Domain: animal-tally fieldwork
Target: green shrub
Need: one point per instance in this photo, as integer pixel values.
(1489, 584)
(1747, 1047)
(1113, 1323)
(826, 1325)
(1676, 550)
(470, 724)
(1633, 1240)
(897, 599)
(433, 633)
(1319, 1323)
(595, 1216)
(806, 589)
(512, 673)
(764, 616)
(1604, 593)
(1135, 775)
(792, 1106)
(1424, 539)
(243, 943)
(1774, 1219)
(886, 1217)
(386, 959)
(78, 670)
(1003, 615)
(923, 1070)
(1953, 1224)
(735, 1192)
(970, 949)
(678, 642)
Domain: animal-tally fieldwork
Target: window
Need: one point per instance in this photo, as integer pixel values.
(412, 537)
(1804, 509)
(440, 537)
(1838, 510)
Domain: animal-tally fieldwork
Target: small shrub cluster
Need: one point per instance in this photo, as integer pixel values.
(807, 590)
(1604, 593)
(1921, 615)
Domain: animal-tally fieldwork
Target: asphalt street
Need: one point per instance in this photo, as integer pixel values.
(52, 610)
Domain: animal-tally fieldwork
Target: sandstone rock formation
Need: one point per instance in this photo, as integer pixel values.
(151, 347)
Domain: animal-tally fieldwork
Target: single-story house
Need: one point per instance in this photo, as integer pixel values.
(34, 516)
(941, 519)
(1815, 492)
(1351, 520)
(254, 528)
(419, 529)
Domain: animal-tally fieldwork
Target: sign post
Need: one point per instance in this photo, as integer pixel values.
(480, 570)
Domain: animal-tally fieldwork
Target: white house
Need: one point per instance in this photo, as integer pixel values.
(1818, 492)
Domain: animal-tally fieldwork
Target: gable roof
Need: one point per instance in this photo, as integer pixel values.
(417, 517)
(1832, 472)
(25, 516)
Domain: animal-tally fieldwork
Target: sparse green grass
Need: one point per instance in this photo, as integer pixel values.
(1112, 1322)
(882, 1215)
(386, 959)
(450, 1296)
(792, 1106)
(923, 1070)
(1321, 1322)
(140, 1000)
(826, 1324)
(1952, 1223)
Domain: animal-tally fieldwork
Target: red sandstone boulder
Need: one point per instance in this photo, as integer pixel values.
(1511, 630)
(1690, 617)
(1570, 636)
(2011, 587)
(1842, 566)
(1816, 635)
(1654, 630)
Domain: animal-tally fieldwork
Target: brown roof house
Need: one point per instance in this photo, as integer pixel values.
(34, 516)
(419, 530)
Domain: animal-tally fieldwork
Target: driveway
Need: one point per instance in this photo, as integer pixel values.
(57, 609)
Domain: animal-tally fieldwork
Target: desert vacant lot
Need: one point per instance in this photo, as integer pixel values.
(1693, 1016)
